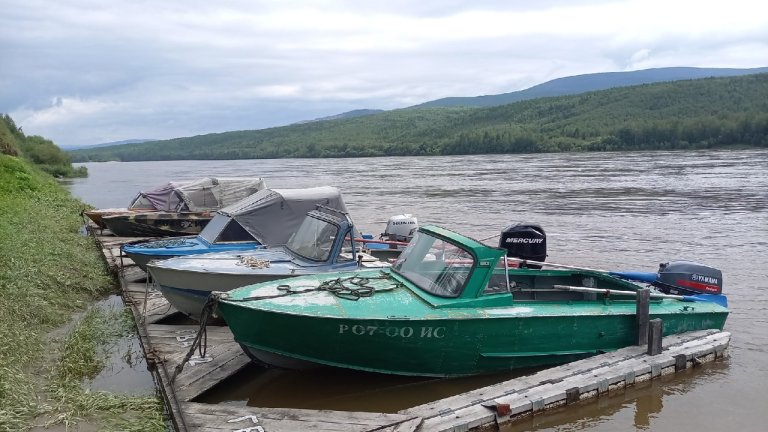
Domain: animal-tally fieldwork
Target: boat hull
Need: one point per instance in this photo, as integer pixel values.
(156, 224)
(444, 347)
(143, 252)
(197, 286)
(96, 216)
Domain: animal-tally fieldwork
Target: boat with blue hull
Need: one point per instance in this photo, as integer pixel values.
(268, 217)
(324, 242)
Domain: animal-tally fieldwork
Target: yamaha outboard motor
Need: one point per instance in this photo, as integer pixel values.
(686, 278)
(525, 241)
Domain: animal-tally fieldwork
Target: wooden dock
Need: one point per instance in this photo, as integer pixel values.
(166, 345)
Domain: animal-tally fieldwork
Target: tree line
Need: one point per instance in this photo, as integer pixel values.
(694, 114)
(37, 150)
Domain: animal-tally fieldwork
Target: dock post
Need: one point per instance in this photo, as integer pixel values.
(643, 315)
(654, 336)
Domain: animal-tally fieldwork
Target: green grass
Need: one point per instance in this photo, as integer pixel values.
(49, 272)
(82, 357)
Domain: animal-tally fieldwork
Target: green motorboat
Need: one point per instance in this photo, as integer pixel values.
(450, 306)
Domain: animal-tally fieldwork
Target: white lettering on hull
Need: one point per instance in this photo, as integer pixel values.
(391, 331)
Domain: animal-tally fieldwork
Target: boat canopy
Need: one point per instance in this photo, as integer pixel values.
(206, 194)
(270, 216)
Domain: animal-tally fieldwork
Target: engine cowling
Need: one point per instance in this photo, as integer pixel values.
(401, 228)
(525, 241)
(683, 277)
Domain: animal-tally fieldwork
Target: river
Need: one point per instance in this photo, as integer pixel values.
(600, 210)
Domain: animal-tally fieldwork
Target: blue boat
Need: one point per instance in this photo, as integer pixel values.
(325, 242)
(268, 217)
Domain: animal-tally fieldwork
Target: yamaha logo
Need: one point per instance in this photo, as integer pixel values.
(704, 279)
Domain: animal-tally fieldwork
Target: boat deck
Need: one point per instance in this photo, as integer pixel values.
(166, 345)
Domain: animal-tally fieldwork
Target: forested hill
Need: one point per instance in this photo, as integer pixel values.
(705, 113)
(592, 82)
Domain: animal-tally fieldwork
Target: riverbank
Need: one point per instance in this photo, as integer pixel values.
(49, 277)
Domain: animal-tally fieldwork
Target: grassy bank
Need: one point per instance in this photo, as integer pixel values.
(49, 273)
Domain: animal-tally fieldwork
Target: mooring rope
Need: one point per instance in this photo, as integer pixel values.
(340, 287)
(201, 338)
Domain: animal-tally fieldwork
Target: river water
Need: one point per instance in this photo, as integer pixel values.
(601, 210)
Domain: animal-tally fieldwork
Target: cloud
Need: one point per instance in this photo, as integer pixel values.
(167, 69)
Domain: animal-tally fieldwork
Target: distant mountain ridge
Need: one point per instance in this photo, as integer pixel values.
(107, 144)
(345, 115)
(725, 112)
(558, 87)
(590, 82)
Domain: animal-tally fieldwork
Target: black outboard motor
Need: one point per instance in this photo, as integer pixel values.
(525, 241)
(688, 278)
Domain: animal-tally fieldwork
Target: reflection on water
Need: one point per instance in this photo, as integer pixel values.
(661, 404)
(126, 368)
(622, 211)
(340, 389)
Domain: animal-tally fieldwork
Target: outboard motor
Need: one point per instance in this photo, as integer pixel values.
(687, 278)
(525, 241)
(400, 228)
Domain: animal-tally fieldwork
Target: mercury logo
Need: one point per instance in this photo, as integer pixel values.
(524, 240)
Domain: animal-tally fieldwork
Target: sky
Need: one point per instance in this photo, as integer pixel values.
(82, 72)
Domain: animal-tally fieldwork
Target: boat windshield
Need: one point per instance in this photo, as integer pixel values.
(434, 265)
(313, 240)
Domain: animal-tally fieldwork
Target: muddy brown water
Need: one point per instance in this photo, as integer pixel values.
(601, 210)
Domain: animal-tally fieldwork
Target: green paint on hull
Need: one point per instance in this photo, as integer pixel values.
(403, 329)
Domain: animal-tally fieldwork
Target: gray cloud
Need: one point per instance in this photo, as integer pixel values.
(85, 72)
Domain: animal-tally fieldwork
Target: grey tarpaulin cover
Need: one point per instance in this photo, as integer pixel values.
(209, 193)
(273, 215)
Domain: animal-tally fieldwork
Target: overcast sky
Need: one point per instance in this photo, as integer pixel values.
(93, 71)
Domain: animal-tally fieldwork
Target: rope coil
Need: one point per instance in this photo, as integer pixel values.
(253, 262)
(349, 288)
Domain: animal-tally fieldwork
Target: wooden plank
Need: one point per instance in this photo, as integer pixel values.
(655, 330)
(411, 425)
(196, 378)
(223, 357)
(642, 315)
(230, 418)
(157, 307)
(550, 395)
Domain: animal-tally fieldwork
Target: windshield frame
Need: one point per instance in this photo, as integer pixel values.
(309, 232)
(424, 270)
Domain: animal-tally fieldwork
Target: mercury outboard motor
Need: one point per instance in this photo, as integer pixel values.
(525, 241)
(686, 278)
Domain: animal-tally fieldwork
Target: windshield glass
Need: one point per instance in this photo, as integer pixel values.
(141, 203)
(435, 266)
(314, 239)
(214, 227)
(224, 229)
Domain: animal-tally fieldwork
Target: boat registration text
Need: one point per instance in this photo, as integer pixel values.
(403, 332)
